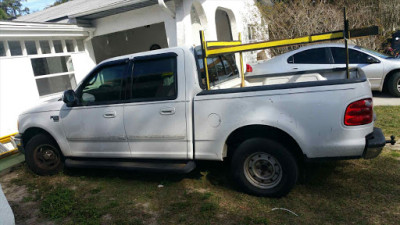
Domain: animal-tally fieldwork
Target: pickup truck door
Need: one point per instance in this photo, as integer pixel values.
(155, 115)
(373, 70)
(94, 127)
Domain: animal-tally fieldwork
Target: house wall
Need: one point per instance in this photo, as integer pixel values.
(223, 27)
(129, 41)
(82, 65)
(137, 18)
(242, 14)
(18, 89)
(179, 28)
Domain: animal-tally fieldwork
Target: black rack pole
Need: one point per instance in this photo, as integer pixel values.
(346, 37)
(204, 56)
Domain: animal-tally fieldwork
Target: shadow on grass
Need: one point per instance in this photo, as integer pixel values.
(217, 173)
(317, 173)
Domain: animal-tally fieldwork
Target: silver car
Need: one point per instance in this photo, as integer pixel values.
(382, 71)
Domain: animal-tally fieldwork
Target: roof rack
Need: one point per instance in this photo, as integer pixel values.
(211, 48)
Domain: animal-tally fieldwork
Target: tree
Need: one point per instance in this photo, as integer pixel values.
(58, 2)
(3, 15)
(10, 9)
(296, 18)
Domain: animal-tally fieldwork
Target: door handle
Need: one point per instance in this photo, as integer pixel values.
(295, 68)
(167, 111)
(110, 114)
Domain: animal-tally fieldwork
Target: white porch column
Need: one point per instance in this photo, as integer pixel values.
(183, 23)
(170, 29)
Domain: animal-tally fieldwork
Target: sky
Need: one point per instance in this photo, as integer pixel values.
(36, 5)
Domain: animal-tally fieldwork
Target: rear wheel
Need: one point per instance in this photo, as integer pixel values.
(43, 155)
(264, 167)
(393, 85)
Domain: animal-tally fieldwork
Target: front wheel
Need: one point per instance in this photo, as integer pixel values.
(43, 155)
(264, 167)
(394, 84)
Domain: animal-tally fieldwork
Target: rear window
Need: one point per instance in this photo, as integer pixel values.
(355, 57)
(221, 68)
(311, 56)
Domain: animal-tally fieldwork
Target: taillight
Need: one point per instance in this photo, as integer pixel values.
(249, 68)
(359, 113)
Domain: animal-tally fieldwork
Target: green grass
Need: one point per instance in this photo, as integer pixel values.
(388, 118)
(343, 192)
(59, 203)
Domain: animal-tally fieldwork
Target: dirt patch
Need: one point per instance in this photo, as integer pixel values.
(106, 219)
(25, 210)
(14, 193)
(395, 147)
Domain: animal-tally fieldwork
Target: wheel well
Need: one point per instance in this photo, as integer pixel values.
(251, 131)
(387, 78)
(31, 132)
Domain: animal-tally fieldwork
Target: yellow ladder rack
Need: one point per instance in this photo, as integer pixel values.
(212, 48)
(4, 143)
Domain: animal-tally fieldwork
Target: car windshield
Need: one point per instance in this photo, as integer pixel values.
(381, 55)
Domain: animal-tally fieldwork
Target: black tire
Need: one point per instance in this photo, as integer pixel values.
(393, 84)
(43, 155)
(260, 157)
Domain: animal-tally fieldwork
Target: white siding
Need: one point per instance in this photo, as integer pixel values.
(18, 90)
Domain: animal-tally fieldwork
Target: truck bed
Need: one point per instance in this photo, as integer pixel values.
(309, 110)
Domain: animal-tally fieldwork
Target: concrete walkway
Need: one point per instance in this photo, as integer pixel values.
(6, 214)
(385, 99)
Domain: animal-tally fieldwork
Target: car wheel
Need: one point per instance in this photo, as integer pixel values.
(394, 84)
(264, 167)
(43, 155)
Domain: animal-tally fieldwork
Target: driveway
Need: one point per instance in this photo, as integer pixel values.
(384, 99)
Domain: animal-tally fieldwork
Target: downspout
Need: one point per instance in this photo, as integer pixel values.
(89, 47)
(90, 36)
(165, 8)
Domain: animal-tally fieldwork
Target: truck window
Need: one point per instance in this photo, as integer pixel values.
(220, 68)
(155, 79)
(105, 85)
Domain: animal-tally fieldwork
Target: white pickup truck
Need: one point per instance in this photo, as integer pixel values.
(150, 111)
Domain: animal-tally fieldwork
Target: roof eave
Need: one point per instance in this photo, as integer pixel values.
(105, 8)
(22, 29)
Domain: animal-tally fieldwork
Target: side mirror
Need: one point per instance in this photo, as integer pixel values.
(372, 60)
(70, 98)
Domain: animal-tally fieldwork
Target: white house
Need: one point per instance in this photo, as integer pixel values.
(46, 52)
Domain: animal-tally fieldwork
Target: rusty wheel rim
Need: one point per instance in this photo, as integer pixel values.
(46, 157)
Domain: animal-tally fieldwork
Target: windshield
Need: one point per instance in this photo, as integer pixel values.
(381, 55)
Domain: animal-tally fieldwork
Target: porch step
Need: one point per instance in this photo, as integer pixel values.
(146, 165)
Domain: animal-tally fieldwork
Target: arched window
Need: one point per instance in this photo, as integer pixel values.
(225, 24)
(199, 21)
